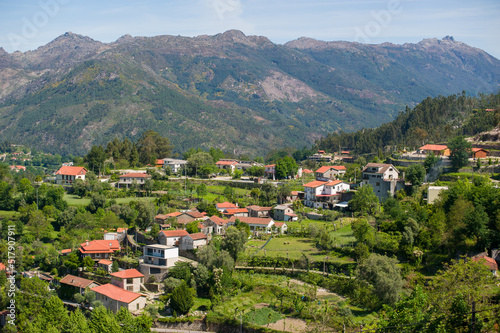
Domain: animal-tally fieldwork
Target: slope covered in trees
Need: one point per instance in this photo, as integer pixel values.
(433, 120)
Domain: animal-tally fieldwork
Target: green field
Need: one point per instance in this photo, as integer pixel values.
(8, 214)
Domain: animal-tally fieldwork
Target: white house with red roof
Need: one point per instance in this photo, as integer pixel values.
(227, 164)
(171, 237)
(113, 298)
(324, 194)
(129, 179)
(221, 207)
(255, 223)
(66, 175)
(105, 264)
(193, 241)
(330, 172)
(99, 249)
(128, 279)
(17, 168)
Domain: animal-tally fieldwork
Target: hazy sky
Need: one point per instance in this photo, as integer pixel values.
(28, 24)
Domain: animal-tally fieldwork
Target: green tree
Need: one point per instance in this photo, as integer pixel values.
(95, 159)
(286, 167)
(151, 146)
(103, 320)
(198, 160)
(384, 275)
(234, 242)
(365, 201)
(145, 213)
(201, 190)
(430, 160)
(88, 263)
(415, 174)
(77, 323)
(216, 154)
(192, 227)
(460, 151)
(182, 298)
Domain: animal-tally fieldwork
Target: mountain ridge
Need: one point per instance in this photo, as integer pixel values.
(287, 95)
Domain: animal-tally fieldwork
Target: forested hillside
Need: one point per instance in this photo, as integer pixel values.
(238, 93)
(434, 120)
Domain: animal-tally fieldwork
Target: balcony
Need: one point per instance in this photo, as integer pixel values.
(156, 255)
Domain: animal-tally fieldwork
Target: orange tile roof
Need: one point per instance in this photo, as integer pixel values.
(120, 230)
(135, 175)
(315, 183)
(236, 210)
(433, 147)
(105, 262)
(100, 246)
(280, 224)
(195, 214)
(226, 204)
(71, 171)
(76, 281)
(479, 149)
(226, 163)
(251, 220)
(333, 183)
(269, 165)
(198, 235)
(128, 274)
(116, 293)
(2, 267)
(217, 220)
(160, 162)
(489, 262)
(174, 233)
(307, 171)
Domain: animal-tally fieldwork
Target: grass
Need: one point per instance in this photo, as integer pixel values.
(9, 214)
(262, 316)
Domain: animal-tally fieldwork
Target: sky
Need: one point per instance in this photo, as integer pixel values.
(29, 24)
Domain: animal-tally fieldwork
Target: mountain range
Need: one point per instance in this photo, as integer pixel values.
(243, 94)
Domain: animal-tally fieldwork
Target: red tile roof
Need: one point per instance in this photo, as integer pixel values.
(226, 205)
(487, 261)
(280, 224)
(120, 230)
(217, 220)
(2, 267)
(333, 183)
(100, 246)
(195, 214)
(315, 183)
(71, 171)
(235, 210)
(270, 165)
(174, 233)
(135, 175)
(479, 149)
(307, 171)
(226, 163)
(251, 220)
(325, 168)
(105, 262)
(116, 293)
(160, 162)
(198, 235)
(128, 274)
(434, 147)
(76, 281)
(66, 251)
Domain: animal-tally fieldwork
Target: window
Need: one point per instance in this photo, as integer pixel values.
(130, 281)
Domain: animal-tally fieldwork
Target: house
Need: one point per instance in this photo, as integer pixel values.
(99, 249)
(480, 153)
(236, 212)
(221, 207)
(162, 218)
(488, 262)
(255, 223)
(330, 172)
(217, 224)
(190, 216)
(158, 259)
(175, 165)
(105, 265)
(284, 213)
(321, 157)
(17, 168)
(438, 150)
(324, 194)
(171, 237)
(384, 178)
(281, 227)
(66, 175)
(71, 285)
(134, 178)
(270, 171)
(245, 165)
(192, 241)
(229, 165)
(258, 211)
(128, 279)
(65, 252)
(113, 298)
(159, 163)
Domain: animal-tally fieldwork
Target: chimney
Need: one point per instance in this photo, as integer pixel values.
(87, 242)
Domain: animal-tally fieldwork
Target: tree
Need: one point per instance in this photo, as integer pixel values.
(384, 275)
(201, 190)
(365, 201)
(234, 242)
(286, 167)
(182, 298)
(97, 201)
(95, 159)
(363, 232)
(415, 174)
(151, 146)
(216, 154)
(88, 263)
(192, 227)
(284, 191)
(102, 320)
(460, 151)
(430, 160)
(198, 160)
(77, 323)
(145, 213)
